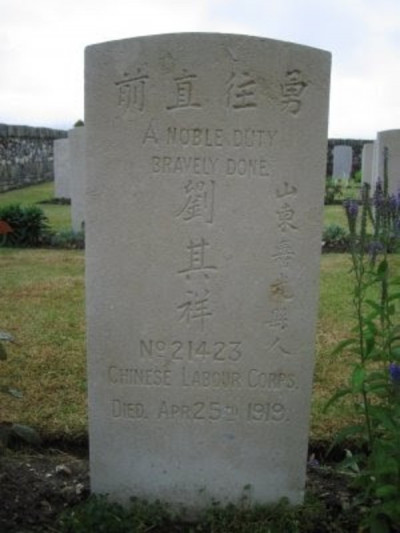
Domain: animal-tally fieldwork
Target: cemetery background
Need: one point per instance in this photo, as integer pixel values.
(59, 371)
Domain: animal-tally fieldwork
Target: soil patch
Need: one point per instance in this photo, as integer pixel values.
(35, 487)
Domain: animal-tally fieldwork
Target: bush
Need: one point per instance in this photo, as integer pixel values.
(67, 239)
(357, 176)
(373, 354)
(335, 238)
(333, 191)
(29, 225)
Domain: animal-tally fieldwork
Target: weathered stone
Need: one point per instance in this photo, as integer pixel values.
(389, 139)
(62, 168)
(76, 138)
(205, 166)
(26, 155)
(342, 162)
(366, 165)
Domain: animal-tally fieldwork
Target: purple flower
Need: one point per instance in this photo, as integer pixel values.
(375, 248)
(378, 194)
(393, 204)
(351, 208)
(394, 373)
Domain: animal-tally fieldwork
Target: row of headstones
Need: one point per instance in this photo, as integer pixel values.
(69, 174)
(372, 166)
(203, 157)
(342, 162)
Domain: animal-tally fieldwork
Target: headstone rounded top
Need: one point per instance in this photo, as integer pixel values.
(204, 36)
(205, 164)
(389, 132)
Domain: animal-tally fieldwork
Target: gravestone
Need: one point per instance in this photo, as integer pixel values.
(342, 162)
(205, 164)
(389, 139)
(366, 163)
(62, 169)
(76, 139)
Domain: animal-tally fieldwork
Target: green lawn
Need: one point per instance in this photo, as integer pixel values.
(42, 295)
(59, 215)
(334, 214)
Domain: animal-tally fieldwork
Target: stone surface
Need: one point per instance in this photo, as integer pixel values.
(62, 168)
(342, 162)
(205, 176)
(77, 143)
(391, 140)
(26, 155)
(366, 163)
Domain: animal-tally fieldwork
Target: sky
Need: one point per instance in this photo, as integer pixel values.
(42, 46)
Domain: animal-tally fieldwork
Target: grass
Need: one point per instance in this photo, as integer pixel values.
(42, 297)
(59, 215)
(42, 294)
(334, 214)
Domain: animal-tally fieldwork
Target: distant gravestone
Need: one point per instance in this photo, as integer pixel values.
(391, 140)
(342, 162)
(205, 158)
(78, 159)
(62, 169)
(367, 162)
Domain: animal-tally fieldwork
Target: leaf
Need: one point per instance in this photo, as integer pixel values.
(343, 344)
(370, 344)
(394, 296)
(351, 462)
(382, 268)
(378, 525)
(349, 431)
(6, 337)
(395, 352)
(370, 326)
(3, 353)
(381, 415)
(375, 306)
(339, 394)
(26, 433)
(358, 378)
(13, 392)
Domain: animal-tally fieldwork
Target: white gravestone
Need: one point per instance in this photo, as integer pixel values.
(78, 160)
(366, 163)
(389, 139)
(342, 162)
(206, 156)
(62, 169)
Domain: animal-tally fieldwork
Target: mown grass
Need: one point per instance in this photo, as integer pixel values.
(42, 306)
(59, 215)
(42, 295)
(334, 214)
